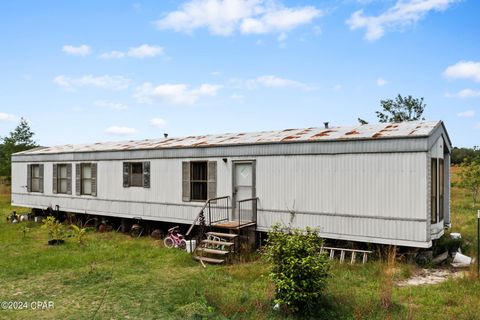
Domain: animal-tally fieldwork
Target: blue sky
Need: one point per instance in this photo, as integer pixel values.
(89, 71)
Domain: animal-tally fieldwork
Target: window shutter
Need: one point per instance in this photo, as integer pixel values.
(54, 179)
(69, 178)
(185, 180)
(126, 175)
(78, 179)
(94, 179)
(212, 180)
(146, 174)
(40, 169)
(29, 178)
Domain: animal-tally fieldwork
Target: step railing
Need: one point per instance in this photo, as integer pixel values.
(343, 251)
(214, 210)
(247, 211)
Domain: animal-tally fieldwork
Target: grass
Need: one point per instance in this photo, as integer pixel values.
(114, 276)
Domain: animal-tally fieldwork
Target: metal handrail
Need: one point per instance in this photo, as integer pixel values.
(201, 212)
(254, 201)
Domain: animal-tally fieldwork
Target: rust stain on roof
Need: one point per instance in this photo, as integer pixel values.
(322, 134)
(351, 133)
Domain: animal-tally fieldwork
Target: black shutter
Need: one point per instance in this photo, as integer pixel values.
(69, 178)
(146, 174)
(54, 179)
(78, 179)
(212, 180)
(29, 178)
(126, 174)
(186, 181)
(94, 179)
(40, 180)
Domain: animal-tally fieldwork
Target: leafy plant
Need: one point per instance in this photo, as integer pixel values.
(78, 233)
(54, 227)
(299, 271)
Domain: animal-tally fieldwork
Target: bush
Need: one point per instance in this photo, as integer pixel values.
(54, 228)
(299, 271)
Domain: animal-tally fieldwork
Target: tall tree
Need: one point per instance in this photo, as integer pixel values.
(470, 178)
(20, 139)
(401, 109)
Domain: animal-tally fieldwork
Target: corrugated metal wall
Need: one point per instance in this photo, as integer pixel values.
(374, 197)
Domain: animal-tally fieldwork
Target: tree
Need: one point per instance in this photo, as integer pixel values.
(470, 178)
(361, 121)
(20, 139)
(401, 109)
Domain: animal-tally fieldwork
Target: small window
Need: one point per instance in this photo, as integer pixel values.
(136, 174)
(62, 178)
(441, 187)
(198, 180)
(433, 191)
(86, 176)
(35, 178)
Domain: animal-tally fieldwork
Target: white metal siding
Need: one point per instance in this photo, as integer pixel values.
(375, 197)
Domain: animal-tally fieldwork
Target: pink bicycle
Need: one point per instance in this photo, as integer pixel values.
(174, 239)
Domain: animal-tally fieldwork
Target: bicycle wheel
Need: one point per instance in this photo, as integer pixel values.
(168, 242)
(183, 244)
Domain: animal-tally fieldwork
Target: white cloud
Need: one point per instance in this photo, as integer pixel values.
(224, 17)
(112, 55)
(82, 50)
(104, 82)
(403, 13)
(142, 51)
(179, 94)
(7, 117)
(110, 105)
(237, 97)
(466, 114)
(145, 51)
(464, 70)
(120, 131)
(477, 126)
(269, 81)
(158, 122)
(464, 93)
(338, 87)
(381, 82)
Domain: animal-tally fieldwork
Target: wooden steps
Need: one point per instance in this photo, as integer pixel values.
(213, 251)
(209, 260)
(222, 235)
(218, 243)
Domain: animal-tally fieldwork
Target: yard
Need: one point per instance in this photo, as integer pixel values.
(114, 276)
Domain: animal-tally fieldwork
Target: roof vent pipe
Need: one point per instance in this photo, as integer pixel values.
(165, 135)
(326, 125)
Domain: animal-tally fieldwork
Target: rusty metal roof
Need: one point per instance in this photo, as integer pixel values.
(358, 132)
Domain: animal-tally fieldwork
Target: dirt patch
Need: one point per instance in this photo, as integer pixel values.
(430, 276)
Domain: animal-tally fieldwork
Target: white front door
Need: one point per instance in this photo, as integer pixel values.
(243, 184)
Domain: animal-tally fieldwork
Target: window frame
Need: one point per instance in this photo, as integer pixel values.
(131, 174)
(83, 179)
(33, 178)
(59, 178)
(195, 182)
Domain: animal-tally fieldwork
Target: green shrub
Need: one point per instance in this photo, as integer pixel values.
(299, 271)
(54, 228)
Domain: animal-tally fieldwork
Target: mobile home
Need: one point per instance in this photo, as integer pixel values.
(374, 183)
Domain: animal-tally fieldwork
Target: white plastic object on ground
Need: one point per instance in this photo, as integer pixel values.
(455, 235)
(461, 260)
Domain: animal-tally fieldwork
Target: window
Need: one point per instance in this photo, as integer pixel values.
(35, 178)
(62, 178)
(198, 180)
(433, 191)
(136, 174)
(86, 178)
(441, 185)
